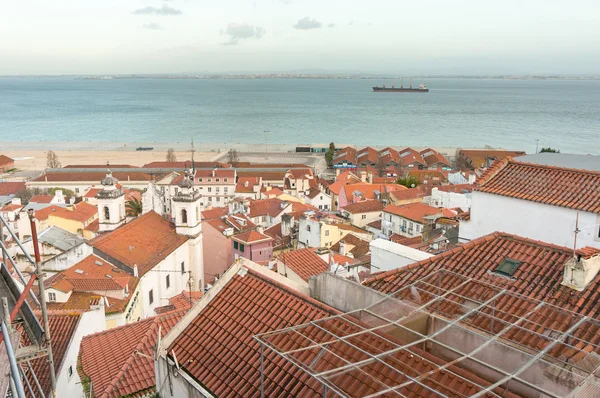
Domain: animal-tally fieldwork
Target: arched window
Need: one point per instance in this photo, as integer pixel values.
(184, 216)
(106, 213)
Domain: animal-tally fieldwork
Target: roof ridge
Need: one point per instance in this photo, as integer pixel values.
(551, 167)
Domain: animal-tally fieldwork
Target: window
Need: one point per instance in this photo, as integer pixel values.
(176, 189)
(168, 281)
(507, 267)
(327, 233)
(106, 213)
(183, 267)
(51, 296)
(321, 197)
(217, 180)
(242, 247)
(184, 216)
(217, 190)
(76, 190)
(209, 189)
(308, 228)
(218, 199)
(364, 217)
(151, 297)
(164, 208)
(225, 190)
(235, 245)
(390, 220)
(199, 179)
(70, 371)
(210, 180)
(225, 179)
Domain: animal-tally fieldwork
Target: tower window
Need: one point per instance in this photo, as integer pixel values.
(183, 267)
(106, 213)
(168, 281)
(151, 297)
(184, 216)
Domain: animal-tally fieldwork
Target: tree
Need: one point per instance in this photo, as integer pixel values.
(66, 192)
(408, 181)
(52, 161)
(171, 157)
(233, 157)
(329, 154)
(549, 150)
(134, 207)
(25, 195)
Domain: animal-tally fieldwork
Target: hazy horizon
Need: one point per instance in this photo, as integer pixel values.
(434, 37)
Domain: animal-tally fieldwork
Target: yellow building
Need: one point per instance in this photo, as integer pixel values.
(74, 219)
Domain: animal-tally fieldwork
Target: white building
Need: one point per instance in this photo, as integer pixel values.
(111, 204)
(538, 202)
(216, 186)
(316, 198)
(406, 220)
(362, 213)
(451, 196)
(386, 255)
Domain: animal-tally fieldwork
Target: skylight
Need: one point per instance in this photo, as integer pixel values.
(507, 267)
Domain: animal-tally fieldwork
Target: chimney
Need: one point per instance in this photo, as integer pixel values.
(363, 176)
(342, 247)
(135, 270)
(579, 272)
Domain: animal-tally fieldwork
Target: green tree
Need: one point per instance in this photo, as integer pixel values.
(549, 150)
(65, 191)
(134, 207)
(408, 181)
(329, 154)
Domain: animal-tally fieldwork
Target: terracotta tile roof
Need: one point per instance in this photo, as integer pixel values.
(411, 194)
(414, 212)
(280, 241)
(389, 155)
(239, 222)
(83, 211)
(62, 328)
(119, 361)
(337, 186)
(477, 158)
(218, 348)
(273, 192)
(131, 194)
(339, 259)
(5, 160)
(91, 193)
(304, 262)
(300, 173)
(215, 212)
(368, 190)
(94, 226)
(410, 242)
(538, 276)
(367, 155)
(432, 157)
(375, 224)
(431, 176)
(263, 207)
(458, 188)
(99, 166)
(266, 175)
(360, 246)
(95, 176)
(90, 274)
(345, 155)
(79, 301)
(145, 241)
(247, 184)
(41, 198)
(43, 214)
(250, 237)
(11, 207)
(183, 301)
(248, 165)
(11, 188)
(368, 206)
(384, 180)
(410, 156)
(221, 174)
(184, 165)
(314, 192)
(574, 189)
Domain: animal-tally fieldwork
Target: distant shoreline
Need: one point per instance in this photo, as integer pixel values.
(300, 76)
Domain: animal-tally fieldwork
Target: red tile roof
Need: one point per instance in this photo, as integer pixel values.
(5, 161)
(272, 192)
(62, 329)
(280, 241)
(11, 207)
(360, 247)
(477, 158)
(82, 212)
(94, 226)
(345, 155)
(574, 189)
(11, 188)
(250, 237)
(414, 212)
(183, 301)
(458, 188)
(43, 214)
(403, 240)
(91, 193)
(215, 212)
(391, 155)
(432, 157)
(263, 207)
(266, 175)
(247, 184)
(375, 224)
(411, 194)
(368, 206)
(367, 155)
(145, 241)
(368, 190)
(90, 274)
(304, 262)
(41, 198)
(221, 174)
(218, 349)
(538, 276)
(410, 156)
(337, 186)
(184, 165)
(239, 222)
(99, 166)
(94, 176)
(429, 176)
(119, 361)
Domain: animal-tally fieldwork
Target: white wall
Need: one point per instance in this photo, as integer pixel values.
(90, 322)
(391, 223)
(450, 200)
(359, 221)
(67, 259)
(322, 201)
(386, 255)
(308, 238)
(552, 224)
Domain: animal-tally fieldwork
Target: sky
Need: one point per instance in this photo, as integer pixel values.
(419, 37)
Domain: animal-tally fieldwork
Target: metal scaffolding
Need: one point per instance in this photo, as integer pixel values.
(17, 312)
(487, 340)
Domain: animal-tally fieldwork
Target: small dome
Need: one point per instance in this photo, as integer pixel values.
(187, 181)
(109, 180)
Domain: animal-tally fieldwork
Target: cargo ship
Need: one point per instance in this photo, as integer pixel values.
(421, 89)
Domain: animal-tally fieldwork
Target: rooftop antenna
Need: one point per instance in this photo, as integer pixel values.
(193, 164)
(577, 231)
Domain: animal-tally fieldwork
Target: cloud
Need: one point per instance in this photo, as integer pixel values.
(241, 31)
(308, 23)
(152, 26)
(164, 10)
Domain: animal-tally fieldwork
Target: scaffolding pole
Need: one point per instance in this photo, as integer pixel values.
(14, 369)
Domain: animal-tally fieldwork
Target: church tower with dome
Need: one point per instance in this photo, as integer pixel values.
(111, 204)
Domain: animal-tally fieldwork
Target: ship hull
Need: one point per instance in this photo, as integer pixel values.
(400, 90)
